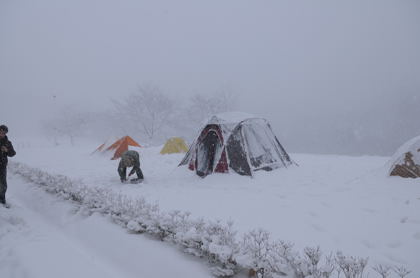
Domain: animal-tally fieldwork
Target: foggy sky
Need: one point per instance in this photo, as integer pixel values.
(318, 70)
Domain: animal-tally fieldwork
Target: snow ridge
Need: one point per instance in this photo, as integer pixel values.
(214, 241)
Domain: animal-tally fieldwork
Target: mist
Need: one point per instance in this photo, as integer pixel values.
(337, 77)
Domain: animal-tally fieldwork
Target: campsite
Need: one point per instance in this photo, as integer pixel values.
(209, 139)
(334, 202)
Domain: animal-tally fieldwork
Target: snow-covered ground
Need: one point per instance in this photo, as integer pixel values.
(42, 236)
(336, 202)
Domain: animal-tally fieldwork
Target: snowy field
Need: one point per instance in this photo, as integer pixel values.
(335, 202)
(43, 237)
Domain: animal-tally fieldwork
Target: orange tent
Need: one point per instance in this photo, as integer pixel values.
(120, 146)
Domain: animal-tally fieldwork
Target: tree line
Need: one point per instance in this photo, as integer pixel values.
(149, 115)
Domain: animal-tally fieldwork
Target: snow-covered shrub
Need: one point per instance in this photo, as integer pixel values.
(328, 268)
(313, 255)
(401, 271)
(191, 239)
(255, 252)
(218, 244)
(285, 260)
(134, 226)
(213, 240)
(172, 223)
(383, 270)
(352, 267)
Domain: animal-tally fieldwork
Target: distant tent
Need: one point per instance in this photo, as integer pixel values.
(104, 145)
(174, 145)
(406, 161)
(100, 148)
(238, 142)
(118, 147)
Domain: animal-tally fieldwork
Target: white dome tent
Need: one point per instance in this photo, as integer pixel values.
(235, 141)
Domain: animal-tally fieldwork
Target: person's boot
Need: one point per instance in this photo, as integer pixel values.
(3, 203)
(136, 180)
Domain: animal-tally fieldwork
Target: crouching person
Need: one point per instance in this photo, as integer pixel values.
(130, 159)
(6, 150)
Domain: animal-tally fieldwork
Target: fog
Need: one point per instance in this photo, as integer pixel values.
(339, 77)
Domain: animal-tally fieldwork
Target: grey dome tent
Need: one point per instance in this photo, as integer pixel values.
(235, 141)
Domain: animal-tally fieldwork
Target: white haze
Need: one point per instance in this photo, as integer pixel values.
(331, 76)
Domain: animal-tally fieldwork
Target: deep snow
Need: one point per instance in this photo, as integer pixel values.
(42, 236)
(336, 202)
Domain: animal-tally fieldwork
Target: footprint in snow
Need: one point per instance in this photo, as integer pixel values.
(325, 204)
(281, 196)
(417, 235)
(318, 228)
(370, 210)
(369, 244)
(394, 244)
(313, 214)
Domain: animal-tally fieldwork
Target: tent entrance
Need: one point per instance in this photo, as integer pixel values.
(208, 153)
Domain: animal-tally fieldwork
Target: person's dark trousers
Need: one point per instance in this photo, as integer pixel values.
(139, 173)
(122, 171)
(3, 184)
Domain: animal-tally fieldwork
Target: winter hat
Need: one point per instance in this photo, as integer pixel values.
(4, 128)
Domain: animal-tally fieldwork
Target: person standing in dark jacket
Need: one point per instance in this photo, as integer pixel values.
(6, 150)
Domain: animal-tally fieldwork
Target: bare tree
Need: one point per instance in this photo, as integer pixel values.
(203, 106)
(145, 112)
(69, 123)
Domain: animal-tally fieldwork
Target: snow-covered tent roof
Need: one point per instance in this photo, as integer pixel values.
(406, 160)
(229, 118)
(237, 141)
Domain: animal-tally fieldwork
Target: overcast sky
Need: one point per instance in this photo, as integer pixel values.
(307, 66)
